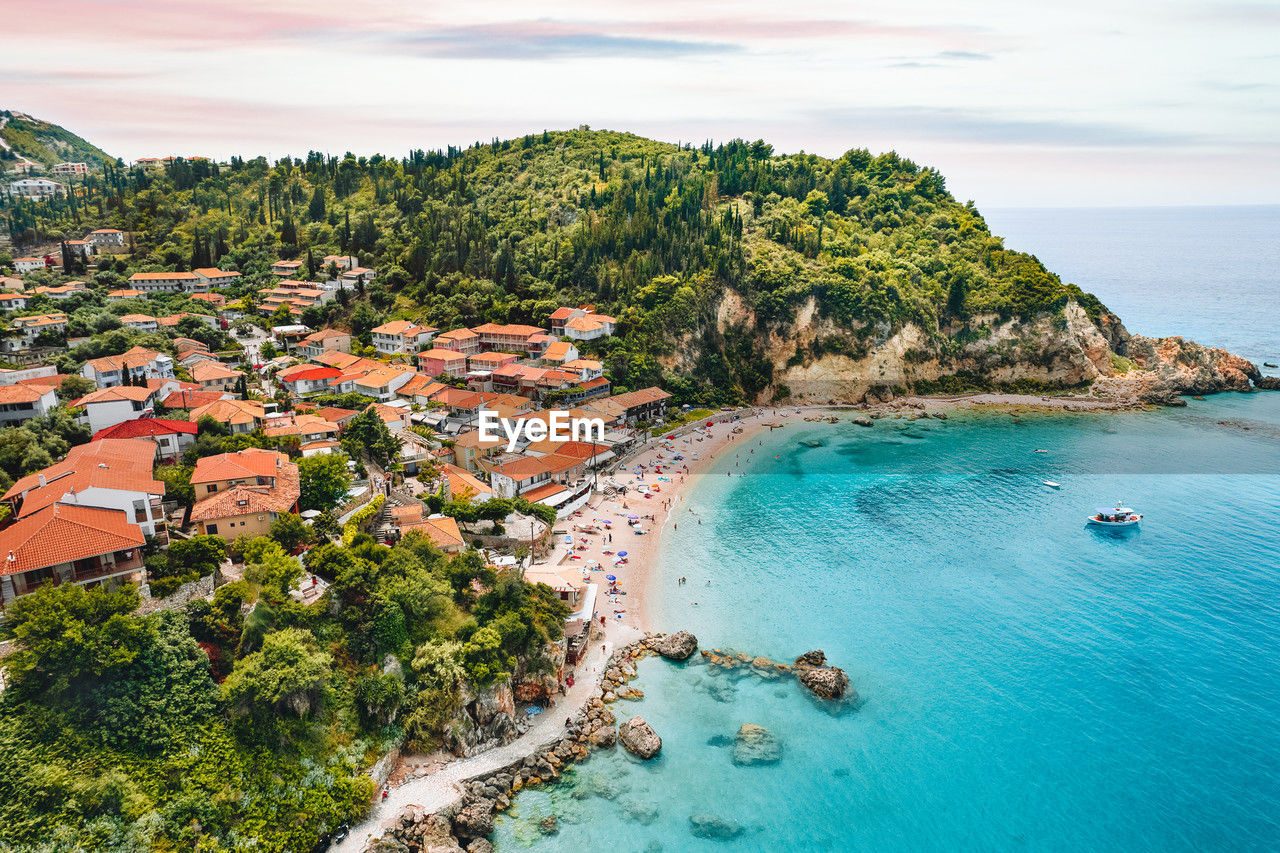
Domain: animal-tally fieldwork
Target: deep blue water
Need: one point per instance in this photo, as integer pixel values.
(1211, 274)
(1025, 682)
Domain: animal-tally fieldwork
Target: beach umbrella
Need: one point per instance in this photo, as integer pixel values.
(610, 578)
(622, 553)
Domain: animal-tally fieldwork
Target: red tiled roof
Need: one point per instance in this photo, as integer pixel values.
(333, 414)
(63, 533)
(146, 426)
(309, 373)
(161, 276)
(543, 492)
(246, 500)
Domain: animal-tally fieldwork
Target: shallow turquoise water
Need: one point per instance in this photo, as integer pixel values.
(1026, 683)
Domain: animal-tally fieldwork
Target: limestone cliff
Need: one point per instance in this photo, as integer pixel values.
(817, 361)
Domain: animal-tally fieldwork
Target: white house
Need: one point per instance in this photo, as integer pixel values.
(138, 362)
(107, 407)
(30, 328)
(164, 282)
(400, 337)
(106, 237)
(141, 322)
(111, 474)
(172, 438)
(19, 403)
(214, 277)
(589, 327)
(383, 383)
(35, 187)
(28, 264)
(13, 301)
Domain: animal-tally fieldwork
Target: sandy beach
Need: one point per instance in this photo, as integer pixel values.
(656, 484)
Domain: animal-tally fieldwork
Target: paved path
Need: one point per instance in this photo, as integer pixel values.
(431, 793)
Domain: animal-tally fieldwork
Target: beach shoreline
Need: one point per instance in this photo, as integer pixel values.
(638, 577)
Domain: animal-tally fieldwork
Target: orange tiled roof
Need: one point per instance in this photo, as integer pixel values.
(443, 532)
(22, 393)
(111, 463)
(62, 533)
(252, 462)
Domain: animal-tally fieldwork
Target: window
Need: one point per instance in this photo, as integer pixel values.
(211, 529)
(212, 487)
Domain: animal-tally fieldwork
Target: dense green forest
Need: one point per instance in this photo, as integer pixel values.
(246, 722)
(650, 232)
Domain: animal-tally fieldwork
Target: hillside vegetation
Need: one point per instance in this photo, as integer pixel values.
(655, 234)
(45, 142)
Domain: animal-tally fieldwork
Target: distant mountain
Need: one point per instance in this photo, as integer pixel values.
(44, 142)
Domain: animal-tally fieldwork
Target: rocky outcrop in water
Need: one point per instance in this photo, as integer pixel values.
(678, 646)
(639, 738)
(704, 825)
(1186, 367)
(756, 745)
(825, 682)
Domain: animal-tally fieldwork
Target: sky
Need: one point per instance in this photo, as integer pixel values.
(1017, 102)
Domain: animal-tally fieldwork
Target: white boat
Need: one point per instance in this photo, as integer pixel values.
(1051, 484)
(1118, 516)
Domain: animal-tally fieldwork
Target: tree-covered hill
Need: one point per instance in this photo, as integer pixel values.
(653, 233)
(44, 142)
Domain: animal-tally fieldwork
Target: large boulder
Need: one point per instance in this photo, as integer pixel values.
(704, 825)
(639, 738)
(756, 745)
(826, 682)
(474, 820)
(678, 646)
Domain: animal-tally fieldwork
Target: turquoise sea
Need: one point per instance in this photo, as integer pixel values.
(1026, 683)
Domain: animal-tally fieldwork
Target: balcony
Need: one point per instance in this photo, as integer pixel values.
(97, 568)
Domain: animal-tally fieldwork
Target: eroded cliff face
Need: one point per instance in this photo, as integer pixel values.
(818, 361)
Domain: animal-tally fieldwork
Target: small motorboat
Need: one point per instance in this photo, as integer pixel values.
(1118, 516)
(1051, 484)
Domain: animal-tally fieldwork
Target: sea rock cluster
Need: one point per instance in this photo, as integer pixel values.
(464, 827)
(825, 682)
(810, 669)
